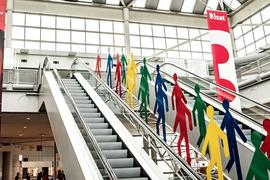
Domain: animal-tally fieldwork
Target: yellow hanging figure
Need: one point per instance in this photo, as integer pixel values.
(131, 80)
(213, 134)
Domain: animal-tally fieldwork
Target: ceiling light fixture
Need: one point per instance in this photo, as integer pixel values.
(21, 135)
(28, 118)
(24, 127)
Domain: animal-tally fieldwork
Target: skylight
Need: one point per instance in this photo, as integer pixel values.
(114, 2)
(164, 4)
(235, 4)
(188, 6)
(139, 3)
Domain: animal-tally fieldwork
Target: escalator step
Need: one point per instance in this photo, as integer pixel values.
(127, 172)
(76, 91)
(138, 178)
(94, 120)
(98, 125)
(107, 138)
(118, 163)
(111, 154)
(85, 106)
(88, 110)
(82, 101)
(102, 131)
(110, 145)
(90, 115)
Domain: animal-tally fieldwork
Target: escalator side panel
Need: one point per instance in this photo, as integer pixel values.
(143, 159)
(74, 154)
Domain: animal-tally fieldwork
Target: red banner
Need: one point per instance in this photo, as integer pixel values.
(223, 62)
(2, 38)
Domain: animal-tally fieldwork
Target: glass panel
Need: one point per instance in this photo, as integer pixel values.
(139, 3)
(92, 38)
(92, 25)
(147, 52)
(17, 44)
(237, 31)
(134, 28)
(105, 50)
(248, 38)
(206, 46)
(251, 48)
(78, 48)
(185, 55)
(205, 37)
(48, 46)
(63, 22)
(114, 2)
(182, 33)
(171, 42)
(78, 37)
(145, 29)
(147, 42)
(188, 6)
(17, 32)
(32, 20)
(241, 53)
(77, 24)
(235, 4)
(267, 30)
(119, 50)
(135, 41)
(260, 43)
(18, 19)
(207, 56)
(197, 55)
(185, 47)
(246, 28)
(31, 45)
(62, 36)
(118, 27)
(194, 33)
(47, 35)
(92, 49)
(119, 40)
(62, 47)
(32, 33)
(239, 43)
(106, 39)
(212, 4)
(265, 13)
(258, 33)
(256, 19)
(173, 54)
(164, 4)
(196, 45)
(159, 43)
(48, 21)
(106, 26)
(158, 31)
(170, 31)
(136, 51)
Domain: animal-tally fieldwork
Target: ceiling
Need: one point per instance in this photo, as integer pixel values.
(25, 128)
(184, 6)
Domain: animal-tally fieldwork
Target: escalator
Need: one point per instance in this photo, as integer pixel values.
(91, 141)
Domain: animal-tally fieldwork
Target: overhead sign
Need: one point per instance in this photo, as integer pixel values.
(223, 61)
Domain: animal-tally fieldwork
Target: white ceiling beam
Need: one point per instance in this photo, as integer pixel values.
(247, 10)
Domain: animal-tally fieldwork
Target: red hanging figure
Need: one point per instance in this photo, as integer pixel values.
(181, 112)
(98, 66)
(118, 76)
(265, 148)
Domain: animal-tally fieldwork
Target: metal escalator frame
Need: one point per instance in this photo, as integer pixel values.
(48, 64)
(223, 88)
(191, 172)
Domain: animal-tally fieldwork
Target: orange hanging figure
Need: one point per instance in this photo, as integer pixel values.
(118, 76)
(98, 66)
(180, 118)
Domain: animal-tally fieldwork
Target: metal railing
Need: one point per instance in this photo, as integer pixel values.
(144, 128)
(48, 65)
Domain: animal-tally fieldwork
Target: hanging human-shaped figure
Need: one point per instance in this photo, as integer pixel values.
(180, 118)
(159, 104)
(131, 81)
(98, 66)
(212, 136)
(124, 64)
(109, 70)
(259, 163)
(231, 125)
(118, 76)
(266, 144)
(147, 76)
(200, 107)
(142, 95)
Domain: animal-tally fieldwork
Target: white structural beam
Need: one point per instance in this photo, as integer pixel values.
(110, 13)
(247, 10)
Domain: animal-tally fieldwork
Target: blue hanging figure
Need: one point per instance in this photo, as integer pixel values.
(109, 70)
(159, 104)
(231, 125)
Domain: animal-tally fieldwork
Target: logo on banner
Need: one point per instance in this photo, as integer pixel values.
(213, 16)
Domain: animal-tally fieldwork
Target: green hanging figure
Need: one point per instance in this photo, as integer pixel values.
(123, 63)
(259, 164)
(147, 77)
(143, 95)
(200, 107)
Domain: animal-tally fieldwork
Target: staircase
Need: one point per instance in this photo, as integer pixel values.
(120, 158)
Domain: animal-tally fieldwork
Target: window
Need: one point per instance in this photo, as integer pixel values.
(251, 48)
(119, 40)
(18, 33)
(241, 53)
(92, 38)
(182, 33)
(18, 19)
(134, 28)
(106, 26)
(62, 47)
(256, 19)
(62, 36)
(173, 54)
(118, 27)
(260, 43)
(32, 45)
(78, 37)
(48, 21)
(164, 4)
(185, 47)
(171, 43)
(63, 23)
(265, 14)
(77, 24)
(17, 44)
(246, 28)
(32, 33)
(258, 33)
(194, 33)
(239, 43)
(237, 32)
(159, 43)
(47, 35)
(136, 51)
(32, 20)
(77, 48)
(92, 25)
(158, 31)
(248, 38)
(92, 49)
(147, 52)
(106, 39)
(145, 29)
(170, 32)
(196, 55)
(48, 46)
(135, 41)
(196, 45)
(206, 46)
(147, 42)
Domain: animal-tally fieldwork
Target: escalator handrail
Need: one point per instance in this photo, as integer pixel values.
(100, 154)
(233, 110)
(191, 172)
